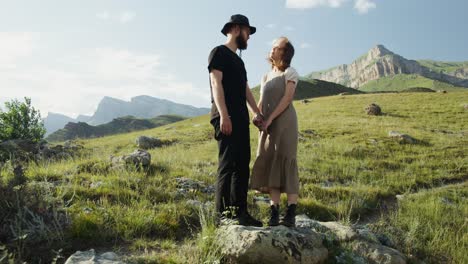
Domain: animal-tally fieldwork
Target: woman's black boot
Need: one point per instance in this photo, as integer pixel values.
(274, 215)
(289, 219)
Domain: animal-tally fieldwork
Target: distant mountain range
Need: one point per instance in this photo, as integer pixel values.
(109, 108)
(116, 126)
(390, 71)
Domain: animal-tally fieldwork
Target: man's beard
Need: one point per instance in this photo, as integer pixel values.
(241, 42)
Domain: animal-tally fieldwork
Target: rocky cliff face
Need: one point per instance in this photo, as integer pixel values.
(380, 62)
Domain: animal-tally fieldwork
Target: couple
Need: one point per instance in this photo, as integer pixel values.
(275, 169)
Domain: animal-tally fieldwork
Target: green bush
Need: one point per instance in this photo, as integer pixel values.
(21, 121)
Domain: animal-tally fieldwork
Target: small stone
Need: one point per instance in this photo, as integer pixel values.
(402, 138)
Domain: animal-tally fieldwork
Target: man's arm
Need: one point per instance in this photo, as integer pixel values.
(216, 78)
(251, 101)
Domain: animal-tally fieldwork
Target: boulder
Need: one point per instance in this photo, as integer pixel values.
(377, 253)
(373, 109)
(144, 142)
(279, 244)
(364, 244)
(90, 257)
(331, 230)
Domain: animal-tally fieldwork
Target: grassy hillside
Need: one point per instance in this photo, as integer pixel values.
(401, 82)
(118, 125)
(309, 88)
(349, 171)
(444, 67)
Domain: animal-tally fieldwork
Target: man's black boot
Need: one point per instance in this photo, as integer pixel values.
(246, 219)
(274, 215)
(289, 219)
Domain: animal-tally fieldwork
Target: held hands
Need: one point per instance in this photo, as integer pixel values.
(260, 122)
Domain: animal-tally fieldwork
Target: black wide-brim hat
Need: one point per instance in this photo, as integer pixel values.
(238, 20)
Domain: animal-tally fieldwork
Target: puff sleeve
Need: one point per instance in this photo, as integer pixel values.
(291, 75)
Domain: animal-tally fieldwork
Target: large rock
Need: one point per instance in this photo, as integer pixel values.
(244, 244)
(377, 253)
(373, 109)
(331, 230)
(90, 257)
(364, 243)
(144, 142)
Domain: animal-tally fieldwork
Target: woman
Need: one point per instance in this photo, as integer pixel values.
(275, 169)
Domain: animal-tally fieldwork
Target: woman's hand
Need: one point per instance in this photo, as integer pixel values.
(266, 124)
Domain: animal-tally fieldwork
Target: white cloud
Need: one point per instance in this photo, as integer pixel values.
(127, 17)
(304, 45)
(14, 46)
(303, 4)
(363, 6)
(289, 28)
(74, 84)
(123, 18)
(271, 26)
(103, 15)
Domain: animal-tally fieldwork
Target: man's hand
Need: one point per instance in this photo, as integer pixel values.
(258, 120)
(226, 125)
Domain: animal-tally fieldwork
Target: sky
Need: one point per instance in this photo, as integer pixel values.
(67, 55)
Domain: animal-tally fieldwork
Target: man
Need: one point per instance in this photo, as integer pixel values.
(230, 94)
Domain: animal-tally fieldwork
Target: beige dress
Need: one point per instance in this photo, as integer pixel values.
(276, 164)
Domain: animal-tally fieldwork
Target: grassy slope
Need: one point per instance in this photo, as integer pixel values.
(401, 82)
(350, 154)
(441, 66)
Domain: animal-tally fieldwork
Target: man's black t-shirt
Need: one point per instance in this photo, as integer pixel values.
(234, 83)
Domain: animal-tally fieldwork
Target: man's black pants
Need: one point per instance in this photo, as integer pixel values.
(233, 170)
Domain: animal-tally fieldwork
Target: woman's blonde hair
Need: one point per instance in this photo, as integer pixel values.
(286, 57)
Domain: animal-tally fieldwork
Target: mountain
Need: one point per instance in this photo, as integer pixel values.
(83, 118)
(116, 126)
(54, 122)
(308, 88)
(380, 62)
(110, 108)
(142, 107)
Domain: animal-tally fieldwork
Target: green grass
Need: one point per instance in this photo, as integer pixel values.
(432, 224)
(442, 66)
(401, 82)
(347, 168)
